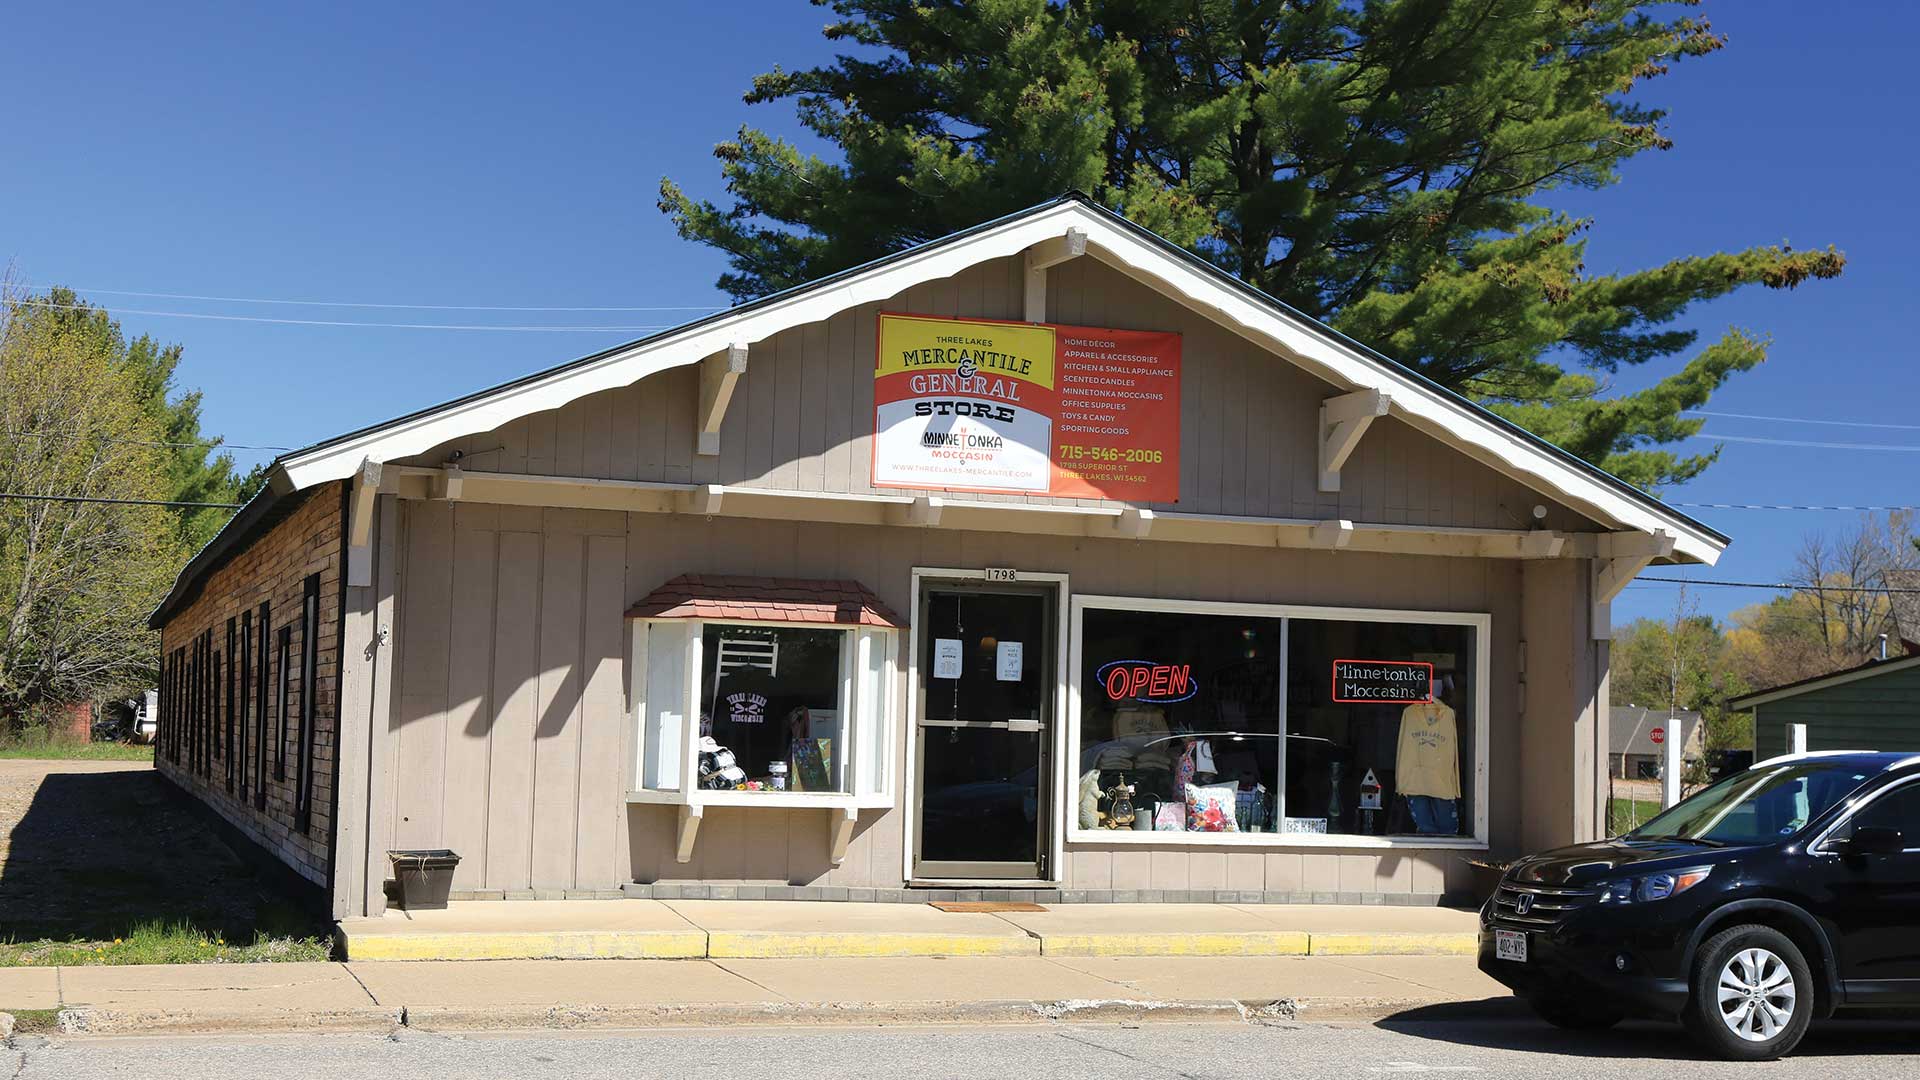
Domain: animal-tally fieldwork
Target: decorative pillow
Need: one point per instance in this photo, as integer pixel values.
(1170, 817)
(1211, 809)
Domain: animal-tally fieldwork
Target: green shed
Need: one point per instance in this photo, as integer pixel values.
(1875, 706)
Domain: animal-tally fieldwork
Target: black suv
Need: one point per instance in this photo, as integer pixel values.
(1768, 900)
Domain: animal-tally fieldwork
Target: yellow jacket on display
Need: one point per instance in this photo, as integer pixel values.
(1428, 760)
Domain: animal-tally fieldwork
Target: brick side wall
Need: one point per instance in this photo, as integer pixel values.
(273, 569)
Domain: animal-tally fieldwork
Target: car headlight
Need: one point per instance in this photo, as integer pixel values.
(1649, 887)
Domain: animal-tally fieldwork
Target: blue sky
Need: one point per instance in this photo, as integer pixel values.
(481, 154)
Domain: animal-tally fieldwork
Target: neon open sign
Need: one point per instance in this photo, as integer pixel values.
(1145, 680)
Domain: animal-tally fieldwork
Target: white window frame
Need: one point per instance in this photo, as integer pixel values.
(1069, 824)
(867, 716)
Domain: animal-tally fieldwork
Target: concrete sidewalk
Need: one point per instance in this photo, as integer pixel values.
(518, 994)
(749, 929)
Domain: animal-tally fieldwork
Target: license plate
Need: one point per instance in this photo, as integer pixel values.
(1510, 945)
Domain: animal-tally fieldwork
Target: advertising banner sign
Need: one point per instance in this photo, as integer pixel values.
(974, 405)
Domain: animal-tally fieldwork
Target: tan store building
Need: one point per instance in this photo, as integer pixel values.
(1040, 557)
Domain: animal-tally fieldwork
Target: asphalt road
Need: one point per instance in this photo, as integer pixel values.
(1478, 1048)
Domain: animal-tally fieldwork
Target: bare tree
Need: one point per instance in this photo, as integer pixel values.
(1843, 573)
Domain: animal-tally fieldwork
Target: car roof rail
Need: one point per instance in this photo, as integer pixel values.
(1784, 758)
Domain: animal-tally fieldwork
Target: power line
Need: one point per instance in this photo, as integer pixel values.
(1802, 420)
(1780, 585)
(210, 444)
(1786, 506)
(338, 322)
(389, 307)
(116, 502)
(1803, 442)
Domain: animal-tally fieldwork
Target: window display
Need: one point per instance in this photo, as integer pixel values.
(770, 709)
(1183, 711)
(1237, 720)
(1379, 720)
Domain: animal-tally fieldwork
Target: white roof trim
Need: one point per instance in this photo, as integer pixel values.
(1898, 663)
(1297, 338)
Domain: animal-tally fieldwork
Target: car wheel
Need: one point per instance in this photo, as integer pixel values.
(1573, 1012)
(1752, 994)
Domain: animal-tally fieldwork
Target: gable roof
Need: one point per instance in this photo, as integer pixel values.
(1630, 729)
(1183, 276)
(1868, 670)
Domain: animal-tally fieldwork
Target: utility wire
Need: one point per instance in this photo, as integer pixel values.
(388, 307)
(338, 322)
(1784, 506)
(210, 444)
(1803, 442)
(1802, 420)
(116, 502)
(1780, 585)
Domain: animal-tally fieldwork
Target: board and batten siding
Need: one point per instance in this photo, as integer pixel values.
(514, 737)
(801, 418)
(1877, 713)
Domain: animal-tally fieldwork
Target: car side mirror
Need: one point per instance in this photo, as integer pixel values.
(1876, 840)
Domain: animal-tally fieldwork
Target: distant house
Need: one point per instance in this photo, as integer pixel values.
(1639, 738)
(1875, 706)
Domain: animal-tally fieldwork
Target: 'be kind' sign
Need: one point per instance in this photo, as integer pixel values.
(972, 405)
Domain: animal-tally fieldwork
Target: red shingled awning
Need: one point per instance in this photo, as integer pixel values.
(766, 599)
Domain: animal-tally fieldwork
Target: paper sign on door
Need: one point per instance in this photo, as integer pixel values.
(1009, 661)
(946, 658)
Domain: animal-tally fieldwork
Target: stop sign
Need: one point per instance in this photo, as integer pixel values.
(1658, 735)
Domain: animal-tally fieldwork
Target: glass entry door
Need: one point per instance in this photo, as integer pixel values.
(986, 668)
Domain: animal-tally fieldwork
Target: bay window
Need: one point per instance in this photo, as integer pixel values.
(762, 713)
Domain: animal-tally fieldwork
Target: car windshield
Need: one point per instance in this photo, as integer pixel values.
(1760, 805)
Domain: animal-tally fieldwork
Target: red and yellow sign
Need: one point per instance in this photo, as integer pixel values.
(1034, 408)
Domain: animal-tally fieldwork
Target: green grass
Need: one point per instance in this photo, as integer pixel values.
(37, 745)
(155, 943)
(1625, 814)
(35, 1022)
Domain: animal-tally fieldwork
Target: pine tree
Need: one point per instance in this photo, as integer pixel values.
(194, 471)
(1379, 164)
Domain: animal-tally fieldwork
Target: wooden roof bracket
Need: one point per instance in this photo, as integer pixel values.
(1043, 255)
(840, 822)
(923, 511)
(447, 485)
(366, 488)
(1619, 558)
(690, 814)
(719, 374)
(1343, 419)
(1331, 535)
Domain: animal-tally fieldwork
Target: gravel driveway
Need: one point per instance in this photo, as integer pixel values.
(89, 848)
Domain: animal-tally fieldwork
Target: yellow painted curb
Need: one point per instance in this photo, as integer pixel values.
(1255, 943)
(1389, 943)
(758, 945)
(572, 945)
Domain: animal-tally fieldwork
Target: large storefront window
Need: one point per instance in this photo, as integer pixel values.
(1249, 719)
(1179, 722)
(1379, 727)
